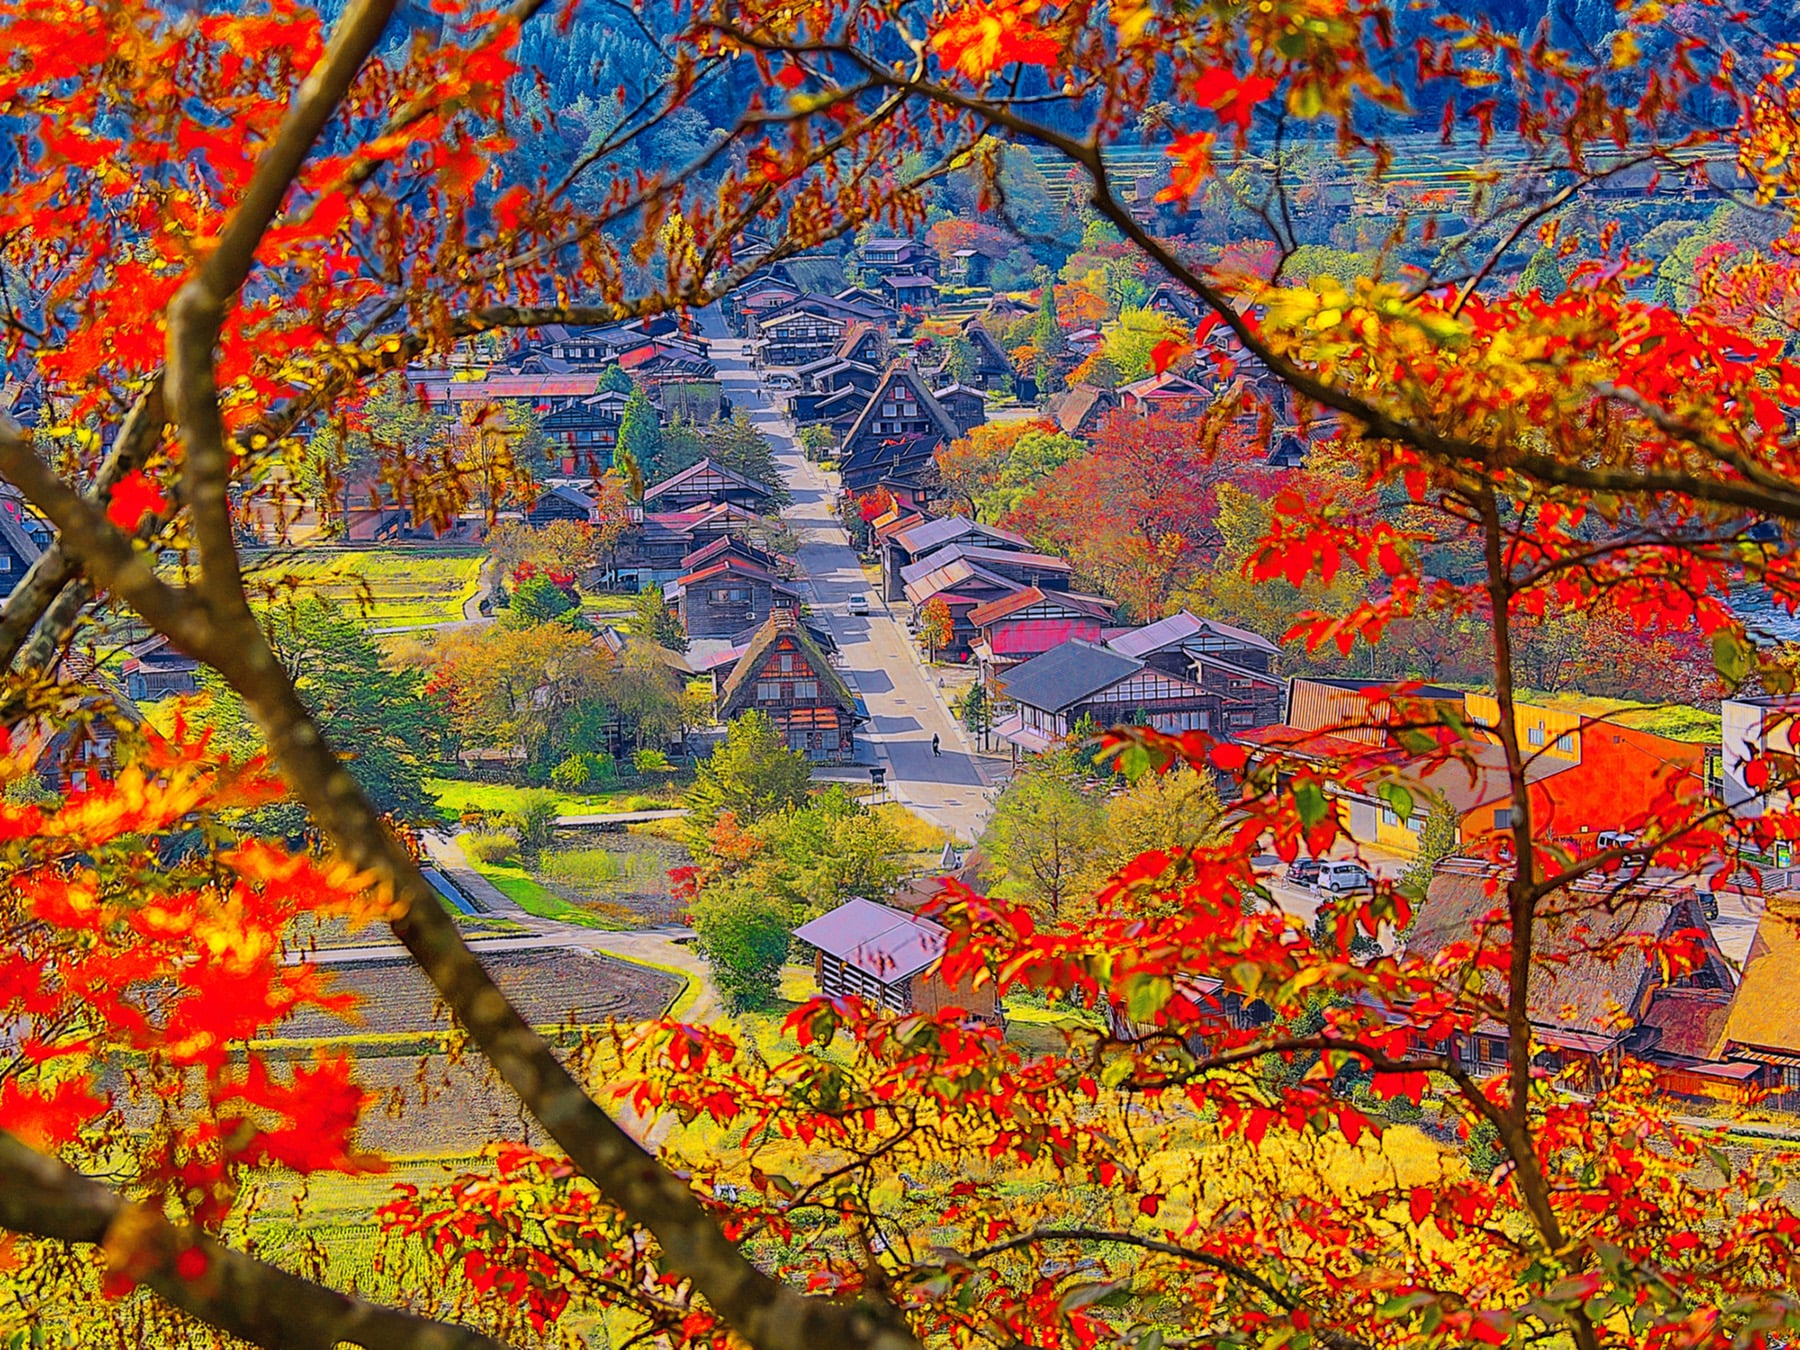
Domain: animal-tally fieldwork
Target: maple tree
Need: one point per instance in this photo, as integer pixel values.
(223, 248)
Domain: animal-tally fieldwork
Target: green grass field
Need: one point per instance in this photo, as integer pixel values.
(388, 588)
(457, 795)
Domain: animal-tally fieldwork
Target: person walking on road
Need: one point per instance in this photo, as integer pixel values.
(935, 751)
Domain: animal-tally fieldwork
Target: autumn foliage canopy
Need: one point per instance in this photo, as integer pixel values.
(219, 230)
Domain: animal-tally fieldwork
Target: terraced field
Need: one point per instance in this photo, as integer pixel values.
(551, 988)
(388, 588)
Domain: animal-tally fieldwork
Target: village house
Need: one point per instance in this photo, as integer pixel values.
(1079, 410)
(1175, 301)
(890, 255)
(729, 589)
(797, 336)
(990, 369)
(1231, 662)
(898, 431)
(586, 430)
(1596, 979)
(1028, 623)
(1020, 567)
(652, 550)
(910, 290)
(155, 668)
(904, 544)
(1762, 1026)
(1168, 393)
(890, 959)
(1054, 692)
(967, 407)
(706, 484)
(562, 501)
(785, 674)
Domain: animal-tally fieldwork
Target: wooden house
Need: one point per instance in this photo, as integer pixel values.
(910, 290)
(1169, 393)
(155, 668)
(785, 674)
(907, 542)
(901, 410)
(586, 431)
(1026, 624)
(705, 483)
(992, 368)
(1595, 973)
(797, 336)
(890, 959)
(967, 407)
(562, 501)
(1762, 1025)
(893, 255)
(729, 590)
(1019, 566)
(963, 586)
(1175, 301)
(1232, 662)
(1054, 692)
(1079, 410)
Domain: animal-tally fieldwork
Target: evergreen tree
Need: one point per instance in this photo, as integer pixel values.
(640, 440)
(614, 380)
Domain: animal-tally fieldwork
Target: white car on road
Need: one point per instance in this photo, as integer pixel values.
(859, 604)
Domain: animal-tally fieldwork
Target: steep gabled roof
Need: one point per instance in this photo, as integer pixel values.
(1065, 675)
(904, 373)
(1591, 961)
(740, 689)
(694, 471)
(1070, 409)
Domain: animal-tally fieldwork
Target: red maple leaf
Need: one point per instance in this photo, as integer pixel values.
(133, 497)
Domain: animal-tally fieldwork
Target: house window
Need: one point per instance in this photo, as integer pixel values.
(1566, 742)
(1503, 818)
(806, 688)
(828, 738)
(1389, 816)
(787, 662)
(767, 691)
(1535, 736)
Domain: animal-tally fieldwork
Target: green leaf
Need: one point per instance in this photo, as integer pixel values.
(1145, 995)
(1310, 800)
(1396, 796)
(1731, 656)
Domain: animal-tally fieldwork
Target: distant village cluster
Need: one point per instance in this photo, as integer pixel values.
(879, 361)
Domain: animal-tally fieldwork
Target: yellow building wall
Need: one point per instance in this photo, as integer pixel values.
(1539, 729)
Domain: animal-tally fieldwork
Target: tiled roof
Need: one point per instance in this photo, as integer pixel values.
(1065, 675)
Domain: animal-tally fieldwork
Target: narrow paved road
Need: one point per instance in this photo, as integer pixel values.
(877, 653)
